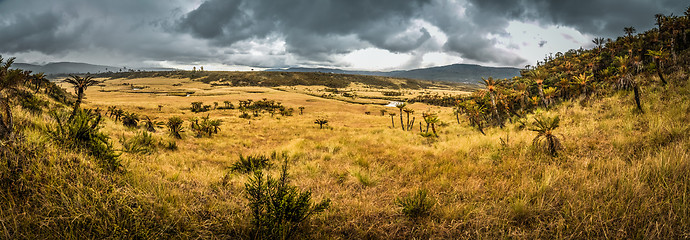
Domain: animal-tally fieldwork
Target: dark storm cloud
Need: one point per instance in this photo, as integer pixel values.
(603, 18)
(310, 28)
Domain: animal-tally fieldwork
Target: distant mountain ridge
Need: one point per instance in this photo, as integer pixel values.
(74, 67)
(464, 73)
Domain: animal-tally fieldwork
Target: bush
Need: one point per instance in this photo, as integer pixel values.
(82, 132)
(251, 164)
(205, 127)
(130, 120)
(142, 143)
(278, 208)
(416, 206)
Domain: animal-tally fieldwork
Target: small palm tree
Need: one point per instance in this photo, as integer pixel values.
(150, 124)
(130, 120)
(539, 76)
(490, 84)
(545, 126)
(175, 128)
(321, 122)
(80, 84)
(401, 106)
(659, 57)
(392, 117)
(301, 110)
(431, 119)
(10, 81)
(408, 112)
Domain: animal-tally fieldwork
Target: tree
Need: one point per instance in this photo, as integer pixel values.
(150, 124)
(629, 31)
(80, 85)
(321, 122)
(301, 110)
(626, 81)
(408, 112)
(39, 79)
(545, 126)
(130, 120)
(392, 117)
(599, 42)
(431, 119)
(490, 84)
(10, 81)
(401, 106)
(539, 76)
(659, 57)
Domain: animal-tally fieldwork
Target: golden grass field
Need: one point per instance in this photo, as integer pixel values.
(621, 174)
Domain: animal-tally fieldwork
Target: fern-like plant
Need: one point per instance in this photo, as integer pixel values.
(546, 138)
(175, 128)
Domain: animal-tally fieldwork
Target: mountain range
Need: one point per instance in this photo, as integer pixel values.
(74, 67)
(465, 73)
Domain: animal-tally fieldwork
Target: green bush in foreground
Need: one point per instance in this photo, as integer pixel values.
(278, 208)
(417, 205)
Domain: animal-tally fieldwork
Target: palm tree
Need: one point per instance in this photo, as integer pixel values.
(490, 84)
(549, 93)
(431, 119)
(401, 106)
(150, 124)
(626, 81)
(301, 110)
(383, 112)
(523, 94)
(80, 84)
(10, 81)
(321, 122)
(599, 42)
(130, 120)
(545, 126)
(659, 57)
(392, 121)
(629, 31)
(539, 76)
(175, 127)
(39, 79)
(408, 111)
(582, 81)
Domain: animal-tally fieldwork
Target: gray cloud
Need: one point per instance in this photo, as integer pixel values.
(271, 33)
(604, 18)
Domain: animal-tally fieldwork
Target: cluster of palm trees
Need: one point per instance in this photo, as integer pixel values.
(612, 65)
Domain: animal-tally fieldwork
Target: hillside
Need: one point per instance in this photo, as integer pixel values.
(463, 73)
(274, 79)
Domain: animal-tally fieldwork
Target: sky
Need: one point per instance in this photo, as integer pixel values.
(348, 34)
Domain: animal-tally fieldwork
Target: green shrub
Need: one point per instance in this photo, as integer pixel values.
(142, 143)
(175, 128)
(278, 208)
(171, 145)
(205, 126)
(83, 132)
(417, 205)
(251, 163)
(130, 120)
(32, 103)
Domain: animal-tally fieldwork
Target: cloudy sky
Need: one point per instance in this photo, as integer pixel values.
(348, 34)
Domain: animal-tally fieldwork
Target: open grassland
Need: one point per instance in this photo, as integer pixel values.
(621, 174)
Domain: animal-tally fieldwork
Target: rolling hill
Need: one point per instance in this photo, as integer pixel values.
(465, 73)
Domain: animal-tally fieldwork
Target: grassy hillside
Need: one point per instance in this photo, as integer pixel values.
(273, 79)
(615, 170)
